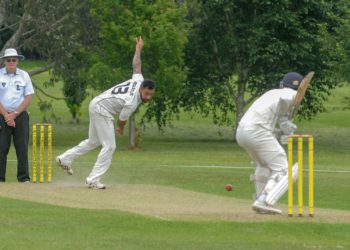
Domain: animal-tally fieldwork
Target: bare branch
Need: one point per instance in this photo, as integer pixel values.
(41, 70)
(216, 53)
(61, 20)
(13, 41)
(28, 32)
(8, 26)
(46, 94)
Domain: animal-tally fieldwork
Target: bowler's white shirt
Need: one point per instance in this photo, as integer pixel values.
(268, 108)
(122, 99)
(13, 88)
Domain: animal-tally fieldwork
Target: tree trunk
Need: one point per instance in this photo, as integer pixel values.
(240, 103)
(132, 132)
(75, 118)
(15, 38)
(2, 13)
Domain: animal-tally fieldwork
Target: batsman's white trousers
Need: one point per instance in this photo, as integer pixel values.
(263, 148)
(101, 132)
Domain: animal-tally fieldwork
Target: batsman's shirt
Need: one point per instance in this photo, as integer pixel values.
(122, 99)
(268, 108)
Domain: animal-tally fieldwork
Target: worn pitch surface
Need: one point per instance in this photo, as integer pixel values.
(165, 203)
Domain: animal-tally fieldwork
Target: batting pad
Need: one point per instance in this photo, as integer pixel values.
(281, 187)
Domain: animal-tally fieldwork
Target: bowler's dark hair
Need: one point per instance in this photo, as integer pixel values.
(149, 84)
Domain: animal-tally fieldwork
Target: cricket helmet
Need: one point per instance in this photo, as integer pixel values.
(292, 80)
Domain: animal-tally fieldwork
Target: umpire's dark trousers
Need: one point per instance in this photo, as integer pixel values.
(20, 135)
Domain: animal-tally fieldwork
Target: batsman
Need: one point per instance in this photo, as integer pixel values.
(261, 131)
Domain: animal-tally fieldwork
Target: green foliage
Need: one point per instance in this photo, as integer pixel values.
(259, 41)
(68, 47)
(71, 28)
(100, 81)
(46, 108)
(75, 82)
(162, 26)
(346, 43)
(59, 32)
(345, 72)
(236, 50)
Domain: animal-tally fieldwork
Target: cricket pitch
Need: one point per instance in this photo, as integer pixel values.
(165, 203)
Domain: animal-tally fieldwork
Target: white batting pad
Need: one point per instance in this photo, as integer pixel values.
(281, 187)
(260, 179)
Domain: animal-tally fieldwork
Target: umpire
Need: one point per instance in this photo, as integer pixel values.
(16, 90)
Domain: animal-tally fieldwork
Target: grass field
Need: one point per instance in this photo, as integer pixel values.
(170, 193)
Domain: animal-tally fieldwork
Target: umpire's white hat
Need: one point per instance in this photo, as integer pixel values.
(11, 53)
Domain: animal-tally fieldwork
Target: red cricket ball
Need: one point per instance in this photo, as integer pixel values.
(229, 187)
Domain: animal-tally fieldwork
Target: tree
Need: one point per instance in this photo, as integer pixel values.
(239, 49)
(162, 26)
(57, 31)
(345, 67)
(75, 83)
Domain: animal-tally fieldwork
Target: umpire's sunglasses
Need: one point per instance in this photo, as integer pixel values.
(11, 60)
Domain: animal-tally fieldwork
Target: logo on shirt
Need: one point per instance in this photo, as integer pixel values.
(3, 84)
(133, 88)
(18, 85)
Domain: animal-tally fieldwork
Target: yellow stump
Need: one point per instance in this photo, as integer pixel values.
(42, 158)
(44, 127)
(49, 153)
(311, 176)
(290, 176)
(34, 160)
(300, 176)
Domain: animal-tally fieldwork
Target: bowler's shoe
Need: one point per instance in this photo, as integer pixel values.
(65, 166)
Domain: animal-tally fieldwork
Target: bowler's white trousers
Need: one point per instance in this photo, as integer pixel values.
(101, 132)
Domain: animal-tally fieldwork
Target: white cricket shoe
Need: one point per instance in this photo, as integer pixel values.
(65, 166)
(262, 208)
(96, 185)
